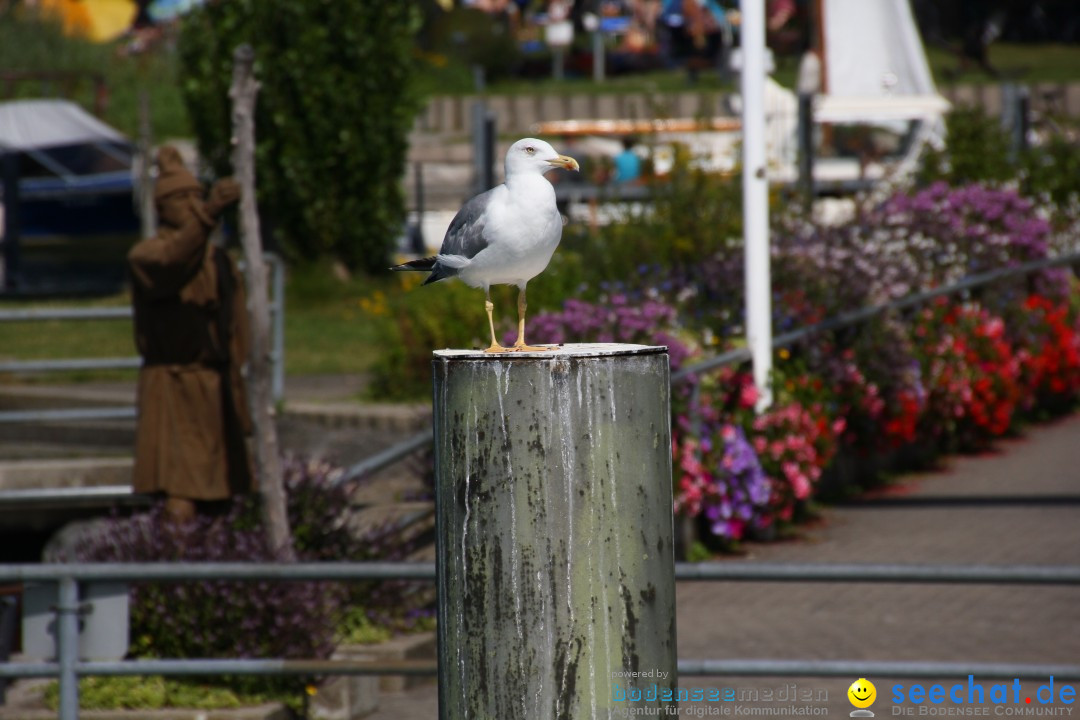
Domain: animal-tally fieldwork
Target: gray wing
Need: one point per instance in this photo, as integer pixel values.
(465, 236)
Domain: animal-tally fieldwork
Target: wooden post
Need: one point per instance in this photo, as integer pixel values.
(267, 458)
(554, 533)
(147, 211)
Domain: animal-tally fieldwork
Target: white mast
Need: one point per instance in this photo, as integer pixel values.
(756, 200)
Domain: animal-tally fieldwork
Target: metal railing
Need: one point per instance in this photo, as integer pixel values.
(861, 315)
(277, 353)
(69, 611)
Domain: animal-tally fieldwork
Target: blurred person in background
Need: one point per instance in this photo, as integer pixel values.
(627, 164)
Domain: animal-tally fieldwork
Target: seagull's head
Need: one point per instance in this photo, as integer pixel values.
(530, 155)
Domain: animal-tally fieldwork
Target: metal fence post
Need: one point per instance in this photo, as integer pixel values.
(1015, 120)
(554, 539)
(806, 149)
(10, 251)
(277, 333)
(67, 646)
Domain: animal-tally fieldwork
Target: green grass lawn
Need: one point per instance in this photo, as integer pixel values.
(329, 326)
(1016, 62)
(63, 339)
(327, 330)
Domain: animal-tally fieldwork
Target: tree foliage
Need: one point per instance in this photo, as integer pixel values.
(334, 111)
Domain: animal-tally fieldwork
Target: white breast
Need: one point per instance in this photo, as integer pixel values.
(523, 229)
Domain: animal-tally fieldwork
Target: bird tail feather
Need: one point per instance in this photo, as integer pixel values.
(423, 265)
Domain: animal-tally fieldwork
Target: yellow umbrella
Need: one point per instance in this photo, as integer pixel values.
(98, 20)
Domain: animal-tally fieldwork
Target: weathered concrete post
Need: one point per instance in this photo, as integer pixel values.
(555, 559)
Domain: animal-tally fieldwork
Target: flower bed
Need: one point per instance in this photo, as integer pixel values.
(952, 375)
(972, 379)
(892, 393)
(261, 619)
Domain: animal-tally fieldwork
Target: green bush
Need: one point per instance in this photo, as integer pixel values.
(413, 321)
(334, 111)
(1053, 170)
(690, 215)
(423, 319)
(156, 693)
(976, 151)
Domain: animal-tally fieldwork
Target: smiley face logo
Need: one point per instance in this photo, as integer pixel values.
(862, 693)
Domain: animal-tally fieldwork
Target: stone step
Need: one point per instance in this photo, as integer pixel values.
(400, 483)
(36, 474)
(408, 520)
(27, 397)
(353, 697)
(383, 417)
(387, 417)
(416, 646)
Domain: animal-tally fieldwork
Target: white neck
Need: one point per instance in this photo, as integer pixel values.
(527, 180)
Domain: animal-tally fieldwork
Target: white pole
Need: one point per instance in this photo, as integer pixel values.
(756, 199)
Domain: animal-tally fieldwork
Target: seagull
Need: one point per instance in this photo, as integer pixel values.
(505, 236)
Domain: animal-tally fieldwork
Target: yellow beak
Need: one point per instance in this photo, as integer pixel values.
(564, 161)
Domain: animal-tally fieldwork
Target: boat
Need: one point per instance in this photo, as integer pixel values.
(74, 213)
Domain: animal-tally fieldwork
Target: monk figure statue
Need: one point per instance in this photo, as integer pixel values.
(191, 330)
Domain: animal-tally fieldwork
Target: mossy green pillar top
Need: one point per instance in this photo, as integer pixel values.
(555, 559)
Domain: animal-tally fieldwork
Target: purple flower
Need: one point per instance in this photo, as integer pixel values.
(614, 319)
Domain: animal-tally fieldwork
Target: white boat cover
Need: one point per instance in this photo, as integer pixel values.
(39, 124)
(872, 49)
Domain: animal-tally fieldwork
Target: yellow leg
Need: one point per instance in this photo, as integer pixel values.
(520, 345)
(489, 306)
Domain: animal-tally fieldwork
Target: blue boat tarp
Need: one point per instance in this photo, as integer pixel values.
(75, 172)
(70, 214)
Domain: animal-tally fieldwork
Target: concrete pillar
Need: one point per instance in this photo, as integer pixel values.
(554, 524)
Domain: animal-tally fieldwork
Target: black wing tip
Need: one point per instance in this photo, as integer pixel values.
(420, 265)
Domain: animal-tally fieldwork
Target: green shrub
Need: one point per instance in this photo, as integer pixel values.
(156, 692)
(691, 215)
(413, 321)
(1053, 170)
(334, 111)
(423, 319)
(976, 151)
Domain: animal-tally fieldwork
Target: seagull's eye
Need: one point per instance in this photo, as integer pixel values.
(530, 149)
